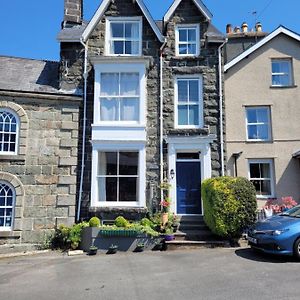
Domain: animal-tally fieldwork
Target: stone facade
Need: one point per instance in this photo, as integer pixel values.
(43, 173)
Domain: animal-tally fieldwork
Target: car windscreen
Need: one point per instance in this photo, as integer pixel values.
(293, 212)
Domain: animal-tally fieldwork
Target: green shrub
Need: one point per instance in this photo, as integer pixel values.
(229, 205)
(146, 222)
(121, 222)
(94, 222)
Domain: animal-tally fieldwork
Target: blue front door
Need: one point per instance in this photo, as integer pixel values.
(188, 176)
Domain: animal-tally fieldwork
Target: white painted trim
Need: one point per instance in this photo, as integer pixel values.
(188, 144)
(119, 146)
(262, 42)
(269, 123)
(10, 228)
(201, 113)
(187, 26)
(119, 68)
(269, 161)
(290, 74)
(110, 20)
(101, 10)
(203, 9)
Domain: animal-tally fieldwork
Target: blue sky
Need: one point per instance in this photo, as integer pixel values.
(29, 27)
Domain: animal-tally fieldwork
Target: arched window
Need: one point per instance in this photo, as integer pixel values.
(9, 132)
(7, 203)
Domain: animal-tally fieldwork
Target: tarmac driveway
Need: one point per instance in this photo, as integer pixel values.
(185, 274)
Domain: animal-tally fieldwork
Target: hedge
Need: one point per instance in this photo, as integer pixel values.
(229, 205)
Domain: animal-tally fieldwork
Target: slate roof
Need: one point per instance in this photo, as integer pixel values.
(28, 75)
(213, 34)
(72, 33)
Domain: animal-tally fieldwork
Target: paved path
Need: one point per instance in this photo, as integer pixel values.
(195, 274)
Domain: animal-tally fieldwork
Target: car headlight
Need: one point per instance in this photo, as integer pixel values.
(279, 232)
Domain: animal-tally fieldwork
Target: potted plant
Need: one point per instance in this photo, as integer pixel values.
(168, 235)
(139, 247)
(112, 249)
(93, 250)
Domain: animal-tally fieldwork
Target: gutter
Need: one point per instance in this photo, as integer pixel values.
(161, 119)
(221, 108)
(85, 76)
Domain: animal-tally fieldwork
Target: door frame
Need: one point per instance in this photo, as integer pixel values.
(188, 144)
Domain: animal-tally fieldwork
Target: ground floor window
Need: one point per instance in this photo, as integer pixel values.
(7, 199)
(261, 175)
(118, 176)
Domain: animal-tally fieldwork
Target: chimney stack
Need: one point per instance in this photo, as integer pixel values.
(228, 28)
(73, 12)
(244, 27)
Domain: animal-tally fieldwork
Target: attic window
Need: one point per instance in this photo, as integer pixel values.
(124, 36)
(187, 40)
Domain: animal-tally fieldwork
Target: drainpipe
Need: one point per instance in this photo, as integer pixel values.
(161, 119)
(221, 108)
(85, 76)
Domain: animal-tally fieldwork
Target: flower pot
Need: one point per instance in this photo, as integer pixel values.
(139, 248)
(112, 250)
(169, 237)
(93, 251)
(164, 218)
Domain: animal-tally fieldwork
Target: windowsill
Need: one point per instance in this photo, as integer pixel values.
(188, 57)
(118, 209)
(283, 86)
(119, 125)
(9, 233)
(114, 59)
(11, 157)
(259, 142)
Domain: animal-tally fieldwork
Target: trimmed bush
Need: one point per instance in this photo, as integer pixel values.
(94, 222)
(121, 222)
(229, 205)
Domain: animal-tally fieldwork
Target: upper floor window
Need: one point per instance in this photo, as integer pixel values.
(258, 123)
(120, 94)
(282, 72)
(187, 40)
(7, 200)
(124, 36)
(261, 175)
(9, 131)
(188, 102)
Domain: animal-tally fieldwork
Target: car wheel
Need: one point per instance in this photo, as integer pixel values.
(297, 248)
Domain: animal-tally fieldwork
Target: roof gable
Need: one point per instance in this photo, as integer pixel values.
(199, 4)
(101, 10)
(272, 35)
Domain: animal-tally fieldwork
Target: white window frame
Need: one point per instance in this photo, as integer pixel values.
(259, 123)
(141, 186)
(9, 228)
(123, 20)
(176, 102)
(289, 74)
(270, 162)
(187, 26)
(17, 132)
(121, 68)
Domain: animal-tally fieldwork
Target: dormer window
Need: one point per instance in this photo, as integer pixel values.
(124, 36)
(187, 40)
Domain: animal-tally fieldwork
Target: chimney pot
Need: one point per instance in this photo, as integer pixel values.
(244, 27)
(228, 28)
(237, 29)
(258, 27)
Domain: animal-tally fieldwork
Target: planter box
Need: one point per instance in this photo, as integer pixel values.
(126, 240)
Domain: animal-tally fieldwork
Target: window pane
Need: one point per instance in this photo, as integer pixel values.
(192, 49)
(192, 35)
(2, 212)
(109, 109)
(129, 109)
(183, 49)
(117, 47)
(182, 90)
(117, 30)
(9, 201)
(182, 35)
(262, 115)
(265, 170)
(1, 222)
(194, 115)
(263, 132)
(107, 163)
(128, 163)
(182, 115)
(285, 80)
(251, 115)
(194, 90)
(275, 67)
(109, 84)
(276, 80)
(130, 84)
(252, 132)
(254, 171)
(132, 30)
(111, 189)
(128, 189)
(265, 187)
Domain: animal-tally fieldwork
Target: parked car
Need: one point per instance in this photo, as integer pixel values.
(279, 234)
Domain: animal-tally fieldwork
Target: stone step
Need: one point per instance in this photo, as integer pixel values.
(190, 219)
(191, 226)
(17, 248)
(180, 236)
(175, 245)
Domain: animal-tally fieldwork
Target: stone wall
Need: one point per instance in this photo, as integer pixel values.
(44, 171)
(206, 65)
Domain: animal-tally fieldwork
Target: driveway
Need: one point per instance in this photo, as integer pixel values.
(185, 274)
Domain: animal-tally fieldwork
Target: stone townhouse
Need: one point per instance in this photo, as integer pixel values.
(38, 150)
(131, 103)
(152, 94)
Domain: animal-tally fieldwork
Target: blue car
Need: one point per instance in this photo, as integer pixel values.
(279, 234)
